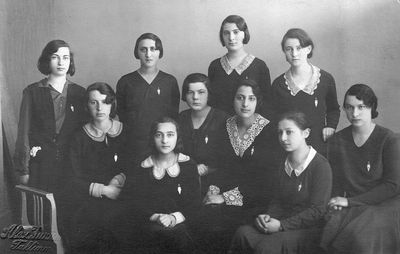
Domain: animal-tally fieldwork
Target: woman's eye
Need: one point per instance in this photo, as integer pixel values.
(157, 135)
(170, 135)
(253, 98)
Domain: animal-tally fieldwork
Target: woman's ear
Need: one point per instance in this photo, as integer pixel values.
(306, 133)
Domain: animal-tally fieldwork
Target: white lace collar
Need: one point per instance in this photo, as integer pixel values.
(240, 68)
(309, 88)
(172, 171)
(239, 145)
(98, 135)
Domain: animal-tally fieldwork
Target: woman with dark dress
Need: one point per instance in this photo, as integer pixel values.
(294, 219)
(307, 88)
(237, 64)
(145, 95)
(168, 192)
(202, 126)
(51, 110)
(97, 161)
(249, 157)
(365, 208)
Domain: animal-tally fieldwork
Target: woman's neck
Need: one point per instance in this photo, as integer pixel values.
(362, 133)
(236, 56)
(245, 123)
(303, 70)
(200, 113)
(103, 125)
(165, 160)
(57, 82)
(148, 70)
(298, 156)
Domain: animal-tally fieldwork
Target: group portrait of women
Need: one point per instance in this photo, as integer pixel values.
(251, 166)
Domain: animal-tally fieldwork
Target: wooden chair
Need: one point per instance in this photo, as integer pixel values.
(39, 198)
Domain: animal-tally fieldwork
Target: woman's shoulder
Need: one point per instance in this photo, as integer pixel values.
(259, 62)
(220, 115)
(185, 113)
(279, 80)
(165, 75)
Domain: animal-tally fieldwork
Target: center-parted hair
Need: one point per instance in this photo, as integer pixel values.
(52, 47)
(194, 78)
(298, 118)
(304, 39)
(365, 94)
(254, 87)
(240, 23)
(149, 36)
(107, 90)
(153, 129)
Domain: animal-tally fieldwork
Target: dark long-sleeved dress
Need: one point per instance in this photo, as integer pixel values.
(141, 103)
(174, 191)
(300, 205)
(318, 101)
(224, 80)
(202, 144)
(97, 159)
(369, 177)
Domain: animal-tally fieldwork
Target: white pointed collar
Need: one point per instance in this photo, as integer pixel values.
(99, 135)
(240, 68)
(309, 88)
(172, 171)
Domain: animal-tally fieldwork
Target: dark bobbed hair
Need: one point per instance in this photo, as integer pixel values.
(240, 23)
(364, 93)
(304, 39)
(254, 87)
(107, 90)
(193, 78)
(150, 36)
(153, 129)
(52, 47)
(298, 117)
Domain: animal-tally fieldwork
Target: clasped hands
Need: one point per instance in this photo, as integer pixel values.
(266, 224)
(165, 220)
(112, 190)
(337, 203)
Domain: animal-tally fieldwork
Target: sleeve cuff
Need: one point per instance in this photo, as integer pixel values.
(179, 217)
(118, 180)
(213, 190)
(233, 197)
(95, 190)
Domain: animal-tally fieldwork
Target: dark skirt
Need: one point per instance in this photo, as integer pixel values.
(364, 229)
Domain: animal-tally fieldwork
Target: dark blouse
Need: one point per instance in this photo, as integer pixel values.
(366, 175)
(223, 85)
(321, 108)
(300, 201)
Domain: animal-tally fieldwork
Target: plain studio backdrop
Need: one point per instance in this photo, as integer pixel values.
(357, 41)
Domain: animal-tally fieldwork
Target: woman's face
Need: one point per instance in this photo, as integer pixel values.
(148, 54)
(245, 102)
(165, 138)
(99, 110)
(197, 96)
(295, 54)
(291, 137)
(357, 112)
(60, 61)
(232, 36)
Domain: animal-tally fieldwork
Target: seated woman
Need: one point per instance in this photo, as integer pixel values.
(168, 191)
(202, 126)
(366, 181)
(249, 157)
(293, 221)
(97, 161)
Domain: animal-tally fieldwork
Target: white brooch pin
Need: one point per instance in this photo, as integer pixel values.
(368, 166)
(34, 150)
(115, 157)
(316, 102)
(179, 189)
(206, 139)
(72, 108)
(158, 91)
(252, 150)
(300, 186)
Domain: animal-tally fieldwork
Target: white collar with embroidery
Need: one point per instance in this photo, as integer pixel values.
(300, 169)
(98, 135)
(240, 68)
(239, 145)
(309, 88)
(172, 171)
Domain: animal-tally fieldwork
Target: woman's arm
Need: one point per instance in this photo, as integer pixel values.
(121, 100)
(332, 105)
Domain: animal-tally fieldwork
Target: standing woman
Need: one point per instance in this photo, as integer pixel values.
(307, 88)
(145, 95)
(294, 219)
(237, 64)
(366, 181)
(51, 110)
(202, 126)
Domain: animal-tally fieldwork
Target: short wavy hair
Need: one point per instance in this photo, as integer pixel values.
(240, 23)
(153, 129)
(304, 39)
(193, 78)
(107, 90)
(365, 94)
(149, 36)
(52, 47)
